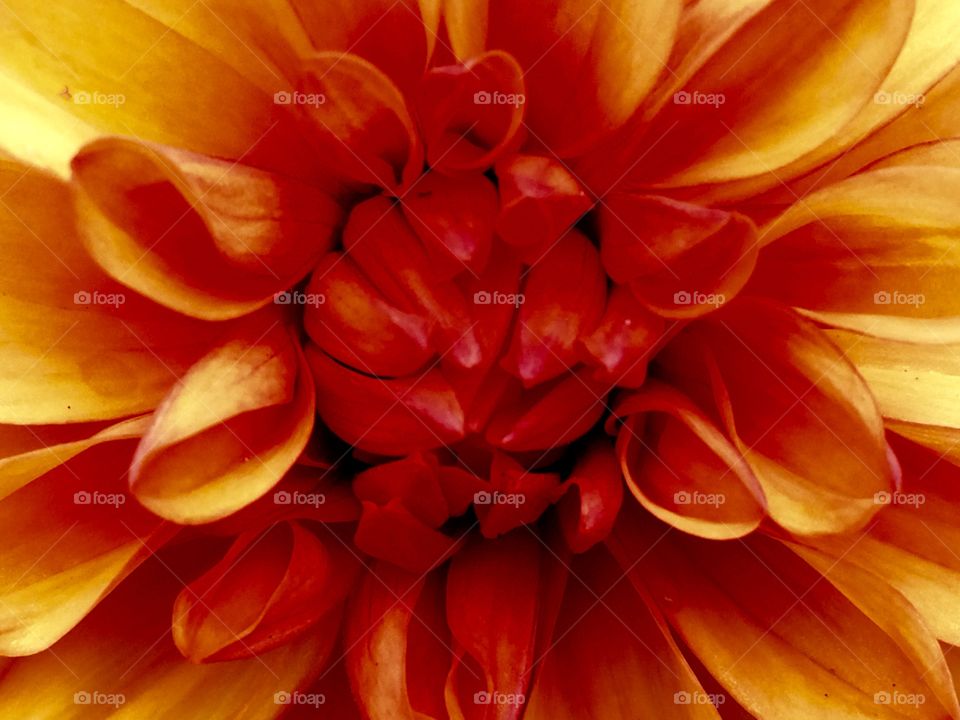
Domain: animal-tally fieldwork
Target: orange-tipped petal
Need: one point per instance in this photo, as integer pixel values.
(594, 493)
(206, 237)
(682, 469)
(268, 588)
(587, 66)
(360, 120)
(122, 661)
(563, 299)
(388, 417)
(471, 113)
(746, 111)
(348, 318)
(881, 246)
(783, 388)
(77, 346)
(681, 260)
(766, 625)
(69, 538)
(226, 434)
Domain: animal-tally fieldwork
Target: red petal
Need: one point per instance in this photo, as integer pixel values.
(539, 201)
(471, 113)
(624, 342)
(390, 254)
(391, 532)
(682, 260)
(549, 415)
(267, 589)
(514, 497)
(588, 512)
(413, 481)
(389, 417)
(349, 319)
(454, 218)
(498, 635)
(563, 299)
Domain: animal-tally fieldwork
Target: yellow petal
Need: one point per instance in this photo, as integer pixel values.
(68, 538)
(228, 431)
(76, 345)
(121, 662)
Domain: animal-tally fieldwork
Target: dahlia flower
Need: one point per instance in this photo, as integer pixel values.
(468, 360)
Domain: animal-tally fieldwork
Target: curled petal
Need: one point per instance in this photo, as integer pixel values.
(562, 301)
(624, 341)
(778, 399)
(69, 537)
(414, 481)
(388, 252)
(388, 417)
(229, 430)
(360, 120)
(348, 318)
(267, 589)
(594, 493)
(515, 496)
(549, 415)
(540, 199)
(66, 358)
(614, 50)
(682, 469)
(206, 237)
(471, 113)
(454, 216)
(500, 639)
(681, 260)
